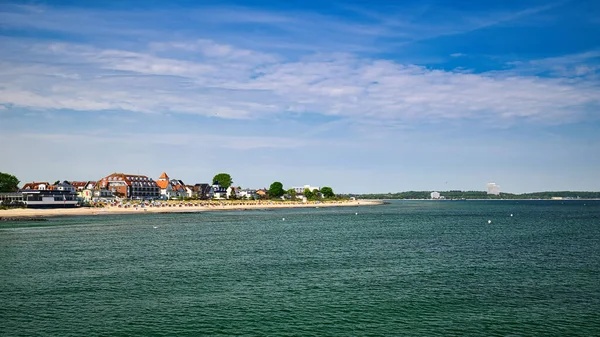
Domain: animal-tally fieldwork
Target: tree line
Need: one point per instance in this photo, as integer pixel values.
(483, 195)
(277, 191)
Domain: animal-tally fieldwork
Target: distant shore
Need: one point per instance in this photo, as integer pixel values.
(32, 213)
(429, 199)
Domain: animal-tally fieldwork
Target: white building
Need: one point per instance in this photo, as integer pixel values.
(246, 193)
(435, 195)
(65, 186)
(300, 190)
(232, 192)
(219, 192)
(171, 188)
(492, 188)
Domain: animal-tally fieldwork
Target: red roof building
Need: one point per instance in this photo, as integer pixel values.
(36, 186)
(130, 185)
(171, 187)
(79, 185)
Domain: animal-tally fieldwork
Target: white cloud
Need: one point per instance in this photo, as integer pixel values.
(586, 64)
(220, 80)
(213, 50)
(189, 73)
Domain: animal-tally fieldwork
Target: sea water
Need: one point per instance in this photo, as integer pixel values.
(406, 268)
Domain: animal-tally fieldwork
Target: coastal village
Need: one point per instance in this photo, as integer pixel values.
(121, 189)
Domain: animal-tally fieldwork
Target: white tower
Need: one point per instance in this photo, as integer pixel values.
(492, 188)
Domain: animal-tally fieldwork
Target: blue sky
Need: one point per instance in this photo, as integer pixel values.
(369, 96)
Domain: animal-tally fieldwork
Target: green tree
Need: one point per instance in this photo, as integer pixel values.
(327, 192)
(8, 182)
(223, 179)
(276, 190)
(310, 195)
(292, 193)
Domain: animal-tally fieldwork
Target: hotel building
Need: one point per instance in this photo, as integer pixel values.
(130, 186)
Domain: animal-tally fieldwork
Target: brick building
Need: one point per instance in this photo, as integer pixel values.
(130, 186)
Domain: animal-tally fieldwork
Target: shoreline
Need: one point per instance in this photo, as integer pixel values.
(37, 213)
(580, 199)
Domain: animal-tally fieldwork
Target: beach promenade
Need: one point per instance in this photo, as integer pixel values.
(176, 208)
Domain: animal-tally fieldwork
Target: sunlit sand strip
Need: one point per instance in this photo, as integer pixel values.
(175, 208)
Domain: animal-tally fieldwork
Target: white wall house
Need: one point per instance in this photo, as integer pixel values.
(435, 195)
(246, 193)
(172, 188)
(219, 192)
(42, 186)
(166, 189)
(189, 191)
(300, 190)
(65, 186)
(231, 191)
(179, 188)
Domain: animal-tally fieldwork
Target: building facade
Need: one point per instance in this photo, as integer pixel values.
(40, 186)
(219, 192)
(171, 188)
(203, 191)
(130, 186)
(85, 189)
(300, 190)
(246, 193)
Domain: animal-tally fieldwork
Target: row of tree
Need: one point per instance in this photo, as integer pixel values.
(483, 195)
(276, 189)
(8, 183)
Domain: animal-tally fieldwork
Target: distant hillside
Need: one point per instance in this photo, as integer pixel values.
(483, 195)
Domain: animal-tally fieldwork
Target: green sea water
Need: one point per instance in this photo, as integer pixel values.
(409, 268)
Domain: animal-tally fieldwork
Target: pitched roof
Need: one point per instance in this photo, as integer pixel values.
(177, 185)
(79, 184)
(125, 178)
(162, 184)
(164, 176)
(34, 185)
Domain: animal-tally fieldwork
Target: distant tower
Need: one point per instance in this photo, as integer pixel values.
(492, 188)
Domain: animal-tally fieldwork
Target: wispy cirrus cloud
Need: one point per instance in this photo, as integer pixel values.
(583, 65)
(221, 80)
(187, 72)
(246, 26)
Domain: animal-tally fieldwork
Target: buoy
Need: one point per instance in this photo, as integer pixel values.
(489, 221)
(283, 219)
(154, 226)
(510, 214)
(355, 213)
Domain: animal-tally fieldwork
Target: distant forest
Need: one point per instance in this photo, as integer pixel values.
(483, 195)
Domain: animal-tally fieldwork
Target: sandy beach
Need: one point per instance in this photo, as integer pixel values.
(175, 208)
